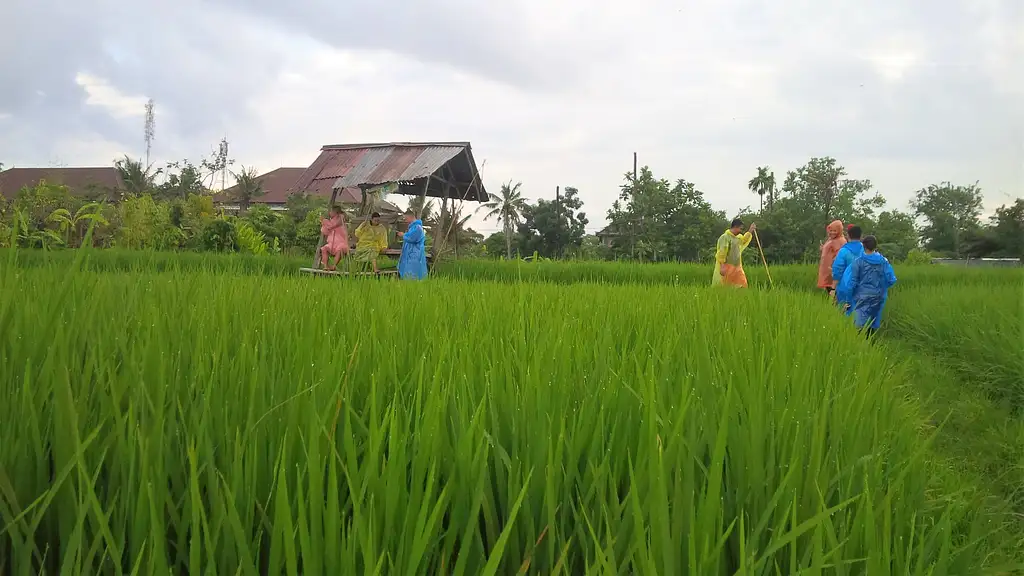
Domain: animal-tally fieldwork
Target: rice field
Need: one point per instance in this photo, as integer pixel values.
(192, 414)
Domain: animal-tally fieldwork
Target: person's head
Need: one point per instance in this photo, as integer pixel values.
(835, 229)
(375, 218)
(870, 244)
(335, 210)
(737, 226)
(410, 216)
(854, 232)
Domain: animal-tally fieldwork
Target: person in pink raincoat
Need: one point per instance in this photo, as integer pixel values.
(829, 249)
(335, 230)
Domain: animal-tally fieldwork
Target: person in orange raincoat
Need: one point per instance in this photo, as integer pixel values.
(335, 231)
(729, 255)
(829, 249)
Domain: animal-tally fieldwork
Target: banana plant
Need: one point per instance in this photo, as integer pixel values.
(30, 237)
(67, 222)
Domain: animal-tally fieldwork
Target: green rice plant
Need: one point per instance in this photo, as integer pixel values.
(191, 421)
(977, 331)
(794, 277)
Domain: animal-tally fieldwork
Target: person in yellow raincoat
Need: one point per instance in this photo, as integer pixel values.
(371, 240)
(729, 255)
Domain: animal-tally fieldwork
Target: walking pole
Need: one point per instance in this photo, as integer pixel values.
(763, 259)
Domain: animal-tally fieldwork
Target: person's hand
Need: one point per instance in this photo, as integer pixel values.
(753, 227)
(721, 272)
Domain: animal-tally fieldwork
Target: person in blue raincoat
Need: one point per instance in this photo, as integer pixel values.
(869, 280)
(413, 262)
(850, 251)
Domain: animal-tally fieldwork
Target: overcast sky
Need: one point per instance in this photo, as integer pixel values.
(549, 92)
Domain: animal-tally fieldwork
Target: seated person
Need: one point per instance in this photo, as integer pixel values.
(371, 240)
(335, 231)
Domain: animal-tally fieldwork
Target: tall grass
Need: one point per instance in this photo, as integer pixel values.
(797, 277)
(978, 333)
(200, 422)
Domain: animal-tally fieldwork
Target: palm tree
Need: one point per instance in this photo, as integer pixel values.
(137, 178)
(247, 186)
(422, 208)
(762, 184)
(507, 206)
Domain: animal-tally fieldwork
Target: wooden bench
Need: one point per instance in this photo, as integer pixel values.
(321, 272)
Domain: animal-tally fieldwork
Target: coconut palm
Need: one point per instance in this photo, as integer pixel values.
(507, 207)
(247, 187)
(763, 184)
(137, 178)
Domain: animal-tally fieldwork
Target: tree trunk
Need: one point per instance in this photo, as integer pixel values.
(508, 242)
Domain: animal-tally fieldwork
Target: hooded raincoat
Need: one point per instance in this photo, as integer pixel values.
(829, 249)
(841, 266)
(336, 233)
(729, 259)
(868, 280)
(412, 264)
(371, 240)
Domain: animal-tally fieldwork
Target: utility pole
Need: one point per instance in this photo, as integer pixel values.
(632, 226)
(558, 212)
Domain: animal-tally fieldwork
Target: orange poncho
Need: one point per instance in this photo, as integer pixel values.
(828, 253)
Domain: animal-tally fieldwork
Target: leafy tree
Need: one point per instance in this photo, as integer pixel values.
(1008, 226)
(183, 179)
(300, 204)
(497, 244)
(951, 213)
(247, 187)
(811, 197)
(897, 234)
(763, 185)
(507, 207)
(657, 220)
(1003, 237)
(550, 227)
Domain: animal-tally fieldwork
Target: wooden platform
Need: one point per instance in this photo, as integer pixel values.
(319, 272)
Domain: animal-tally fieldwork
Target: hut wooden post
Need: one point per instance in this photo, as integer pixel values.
(323, 239)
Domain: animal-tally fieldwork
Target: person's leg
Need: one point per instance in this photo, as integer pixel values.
(324, 257)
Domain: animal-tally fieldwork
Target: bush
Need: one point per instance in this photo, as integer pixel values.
(220, 236)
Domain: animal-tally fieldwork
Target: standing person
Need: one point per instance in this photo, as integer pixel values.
(847, 254)
(869, 280)
(729, 255)
(371, 240)
(829, 249)
(413, 262)
(335, 229)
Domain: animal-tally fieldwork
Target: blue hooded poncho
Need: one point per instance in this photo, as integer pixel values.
(413, 262)
(868, 280)
(841, 266)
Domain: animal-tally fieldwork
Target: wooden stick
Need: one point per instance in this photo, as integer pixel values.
(763, 259)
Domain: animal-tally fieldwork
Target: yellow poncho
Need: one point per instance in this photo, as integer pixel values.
(728, 258)
(371, 239)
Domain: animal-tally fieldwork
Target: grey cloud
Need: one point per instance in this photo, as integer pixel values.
(490, 40)
(190, 63)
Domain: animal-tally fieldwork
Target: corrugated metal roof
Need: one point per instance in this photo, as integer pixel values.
(395, 164)
(350, 166)
(430, 160)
